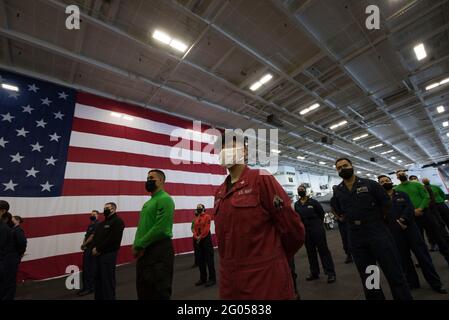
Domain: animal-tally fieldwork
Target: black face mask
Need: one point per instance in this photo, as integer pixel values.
(301, 193)
(93, 218)
(107, 212)
(388, 186)
(402, 177)
(150, 185)
(346, 173)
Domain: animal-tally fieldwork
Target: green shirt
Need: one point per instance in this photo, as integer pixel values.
(417, 193)
(156, 220)
(438, 193)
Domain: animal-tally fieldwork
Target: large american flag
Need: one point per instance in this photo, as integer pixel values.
(64, 153)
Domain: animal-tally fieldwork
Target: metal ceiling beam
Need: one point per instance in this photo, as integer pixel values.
(286, 76)
(119, 32)
(133, 77)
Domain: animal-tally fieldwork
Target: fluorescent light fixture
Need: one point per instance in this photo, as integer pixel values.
(392, 158)
(368, 174)
(408, 165)
(266, 78)
(275, 151)
(161, 36)
(323, 163)
(128, 118)
(437, 84)
(178, 45)
(300, 157)
(444, 81)
(420, 51)
(308, 109)
(255, 86)
(116, 114)
(400, 161)
(446, 124)
(359, 172)
(440, 109)
(447, 134)
(376, 146)
(386, 152)
(10, 87)
(341, 123)
(360, 137)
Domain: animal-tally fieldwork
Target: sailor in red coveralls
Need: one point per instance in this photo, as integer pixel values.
(257, 230)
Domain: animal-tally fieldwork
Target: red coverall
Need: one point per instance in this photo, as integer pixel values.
(256, 239)
(202, 226)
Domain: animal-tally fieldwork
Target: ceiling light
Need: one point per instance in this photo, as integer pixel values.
(360, 137)
(10, 87)
(265, 78)
(440, 109)
(255, 86)
(400, 161)
(368, 174)
(420, 51)
(161, 36)
(323, 163)
(376, 146)
(300, 157)
(447, 134)
(446, 124)
(392, 158)
(408, 165)
(308, 109)
(386, 152)
(437, 84)
(178, 45)
(275, 151)
(444, 81)
(341, 123)
(116, 114)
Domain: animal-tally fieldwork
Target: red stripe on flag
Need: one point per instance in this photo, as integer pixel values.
(117, 131)
(48, 226)
(56, 266)
(84, 187)
(88, 155)
(132, 110)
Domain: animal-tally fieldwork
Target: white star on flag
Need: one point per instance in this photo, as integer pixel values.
(3, 142)
(46, 186)
(54, 137)
(7, 117)
(41, 123)
(63, 95)
(36, 147)
(33, 88)
(14, 95)
(10, 185)
(51, 161)
(31, 172)
(22, 132)
(58, 115)
(46, 101)
(16, 158)
(27, 109)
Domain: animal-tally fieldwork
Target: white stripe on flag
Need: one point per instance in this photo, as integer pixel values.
(45, 207)
(174, 154)
(44, 247)
(91, 113)
(76, 170)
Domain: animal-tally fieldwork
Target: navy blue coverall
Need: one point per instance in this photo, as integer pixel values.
(371, 241)
(312, 215)
(410, 239)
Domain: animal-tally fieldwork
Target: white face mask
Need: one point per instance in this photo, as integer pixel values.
(229, 157)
